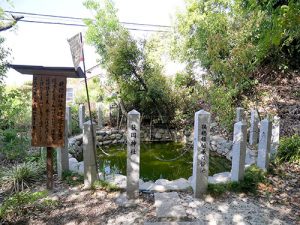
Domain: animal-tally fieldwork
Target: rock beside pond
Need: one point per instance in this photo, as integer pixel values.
(117, 179)
(220, 178)
(103, 137)
(75, 166)
(174, 185)
(215, 179)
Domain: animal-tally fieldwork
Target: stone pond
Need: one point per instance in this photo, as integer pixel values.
(159, 160)
(155, 178)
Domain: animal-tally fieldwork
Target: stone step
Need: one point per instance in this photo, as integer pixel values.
(168, 205)
(173, 223)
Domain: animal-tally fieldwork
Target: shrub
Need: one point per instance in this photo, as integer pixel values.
(20, 176)
(75, 119)
(289, 150)
(104, 185)
(14, 144)
(71, 178)
(16, 204)
(253, 176)
(221, 103)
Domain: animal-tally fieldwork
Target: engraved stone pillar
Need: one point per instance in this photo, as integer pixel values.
(201, 153)
(100, 115)
(133, 154)
(275, 135)
(62, 154)
(240, 114)
(69, 119)
(264, 144)
(81, 116)
(90, 171)
(253, 138)
(239, 151)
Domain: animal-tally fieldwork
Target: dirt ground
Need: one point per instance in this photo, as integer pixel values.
(278, 202)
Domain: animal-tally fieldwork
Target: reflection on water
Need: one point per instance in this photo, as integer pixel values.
(166, 160)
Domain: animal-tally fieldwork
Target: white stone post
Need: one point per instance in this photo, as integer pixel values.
(240, 114)
(90, 171)
(253, 138)
(69, 119)
(81, 115)
(100, 115)
(201, 153)
(62, 154)
(275, 135)
(239, 151)
(264, 144)
(133, 154)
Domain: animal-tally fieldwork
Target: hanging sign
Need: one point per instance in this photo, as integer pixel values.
(48, 111)
(76, 49)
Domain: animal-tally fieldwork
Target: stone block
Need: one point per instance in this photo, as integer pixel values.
(201, 152)
(133, 154)
(264, 145)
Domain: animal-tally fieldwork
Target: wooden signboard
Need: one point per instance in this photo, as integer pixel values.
(48, 110)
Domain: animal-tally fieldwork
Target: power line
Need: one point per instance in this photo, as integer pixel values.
(81, 25)
(78, 18)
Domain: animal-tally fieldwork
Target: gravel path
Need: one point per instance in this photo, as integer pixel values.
(277, 203)
(100, 207)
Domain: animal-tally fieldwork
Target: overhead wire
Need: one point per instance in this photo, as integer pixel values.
(79, 18)
(82, 25)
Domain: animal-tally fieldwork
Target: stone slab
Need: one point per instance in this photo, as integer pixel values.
(168, 205)
(174, 223)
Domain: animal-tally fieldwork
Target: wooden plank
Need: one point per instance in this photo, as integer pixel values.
(69, 72)
(48, 111)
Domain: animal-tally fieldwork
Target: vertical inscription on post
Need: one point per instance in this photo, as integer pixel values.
(133, 154)
(48, 111)
(201, 152)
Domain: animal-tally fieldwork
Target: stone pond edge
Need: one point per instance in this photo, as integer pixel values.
(160, 185)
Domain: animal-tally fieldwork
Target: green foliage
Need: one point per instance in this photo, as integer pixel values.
(4, 53)
(15, 117)
(253, 176)
(14, 145)
(75, 119)
(95, 92)
(186, 94)
(71, 178)
(221, 101)
(15, 108)
(139, 79)
(17, 203)
(104, 185)
(232, 38)
(289, 150)
(21, 176)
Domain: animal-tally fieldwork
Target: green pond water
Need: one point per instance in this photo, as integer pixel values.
(155, 162)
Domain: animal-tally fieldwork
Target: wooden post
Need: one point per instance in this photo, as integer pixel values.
(50, 168)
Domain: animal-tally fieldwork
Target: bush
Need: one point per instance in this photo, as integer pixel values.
(75, 119)
(16, 204)
(221, 101)
(104, 185)
(253, 176)
(14, 144)
(15, 108)
(289, 150)
(20, 176)
(71, 178)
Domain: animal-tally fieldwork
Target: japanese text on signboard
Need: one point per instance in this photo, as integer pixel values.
(48, 111)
